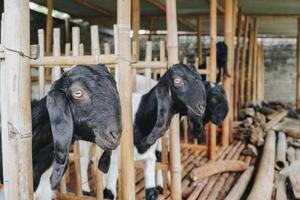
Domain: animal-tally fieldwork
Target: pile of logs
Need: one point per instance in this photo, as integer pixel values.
(277, 128)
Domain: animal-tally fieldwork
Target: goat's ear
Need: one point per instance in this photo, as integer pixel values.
(163, 97)
(62, 131)
(104, 161)
(101, 68)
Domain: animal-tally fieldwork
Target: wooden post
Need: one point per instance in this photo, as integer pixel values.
(41, 39)
(95, 40)
(259, 78)
(75, 52)
(262, 72)
(49, 25)
(199, 40)
(229, 36)
(56, 52)
(172, 44)
(213, 70)
(237, 66)
(298, 67)
(243, 67)
(16, 102)
(127, 182)
(136, 21)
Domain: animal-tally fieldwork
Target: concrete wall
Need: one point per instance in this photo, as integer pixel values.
(280, 70)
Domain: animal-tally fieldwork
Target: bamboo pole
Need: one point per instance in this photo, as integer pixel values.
(172, 42)
(281, 152)
(67, 30)
(162, 55)
(237, 65)
(298, 66)
(243, 67)
(260, 79)
(199, 40)
(229, 36)
(262, 72)
(99, 178)
(127, 183)
(263, 185)
(49, 25)
(136, 21)
(41, 39)
(148, 58)
(213, 71)
(250, 65)
(16, 121)
(56, 52)
(240, 186)
(75, 52)
(254, 62)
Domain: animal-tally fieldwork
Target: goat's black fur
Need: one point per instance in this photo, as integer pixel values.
(60, 118)
(222, 60)
(158, 106)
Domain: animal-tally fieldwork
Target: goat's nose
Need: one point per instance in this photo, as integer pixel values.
(114, 134)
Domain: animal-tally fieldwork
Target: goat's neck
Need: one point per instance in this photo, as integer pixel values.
(41, 129)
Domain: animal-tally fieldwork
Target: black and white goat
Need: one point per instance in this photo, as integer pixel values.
(180, 90)
(82, 105)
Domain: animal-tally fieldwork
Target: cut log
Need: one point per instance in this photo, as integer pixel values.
(263, 185)
(240, 186)
(217, 167)
(294, 177)
(280, 187)
(293, 142)
(281, 151)
(257, 136)
(275, 120)
(292, 132)
(250, 150)
(291, 154)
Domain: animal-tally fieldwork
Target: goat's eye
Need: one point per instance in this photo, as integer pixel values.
(77, 93)
(178, 82)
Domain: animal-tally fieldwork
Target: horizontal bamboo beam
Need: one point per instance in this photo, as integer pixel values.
(194, 146)
(150, 64)
(74, 60)
(158, 166)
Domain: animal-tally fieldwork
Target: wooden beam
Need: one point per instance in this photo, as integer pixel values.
(199, 41)
(181, 19)
(229, 37)
(16, 102)
(94, 7)
(298, 66)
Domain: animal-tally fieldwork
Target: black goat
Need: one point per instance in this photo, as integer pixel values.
(180, 90)
(222, 60)
(82, 105)
(216, 107)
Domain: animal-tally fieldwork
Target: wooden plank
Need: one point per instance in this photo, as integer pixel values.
(16, 100)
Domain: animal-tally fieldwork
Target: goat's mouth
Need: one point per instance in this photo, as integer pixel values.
(107, 143)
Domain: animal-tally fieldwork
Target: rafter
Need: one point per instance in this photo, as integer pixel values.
(94, 7)
(181, 19)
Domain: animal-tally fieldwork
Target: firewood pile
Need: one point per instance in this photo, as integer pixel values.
(276, 128)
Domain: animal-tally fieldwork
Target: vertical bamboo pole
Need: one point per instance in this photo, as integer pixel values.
(199, 40)
(172, 42)
(162, 54)
(136, 21)
(229, 36)
(262, 72)
(56, 52)
(148, 70)
(96, 51)
(127, 182)
(298, 66)
(213, 69)
(254, 69)
(75, 52)
(250, 65)
(49, 25)
(41, 39)
(16, 129)
(259, 74)
(243, 67)
(237, 65)
(67, 30)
